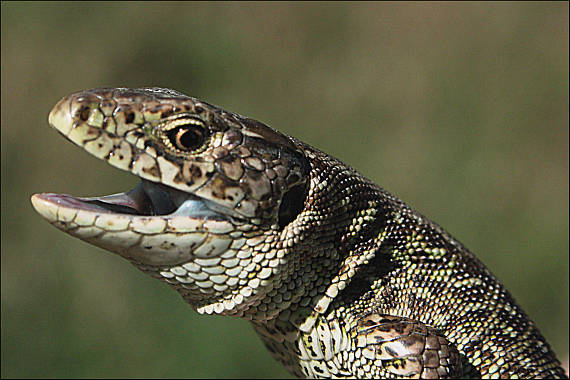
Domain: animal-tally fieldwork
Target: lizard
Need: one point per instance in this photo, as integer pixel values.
(338, 277)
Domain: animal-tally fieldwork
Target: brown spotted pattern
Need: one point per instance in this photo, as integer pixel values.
(338, 277)
(242, 165)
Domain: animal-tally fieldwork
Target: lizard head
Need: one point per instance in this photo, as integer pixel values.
(237, 217)
(215, 188)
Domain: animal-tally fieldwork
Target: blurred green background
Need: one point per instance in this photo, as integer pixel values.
(459, 109)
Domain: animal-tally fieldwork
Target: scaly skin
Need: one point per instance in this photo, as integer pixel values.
(338, 277)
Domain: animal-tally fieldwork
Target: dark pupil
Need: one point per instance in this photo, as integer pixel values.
(188, 137)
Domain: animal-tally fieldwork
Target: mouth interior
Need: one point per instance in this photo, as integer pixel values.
(153, 199)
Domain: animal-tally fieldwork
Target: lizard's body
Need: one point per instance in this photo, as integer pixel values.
(338, 277)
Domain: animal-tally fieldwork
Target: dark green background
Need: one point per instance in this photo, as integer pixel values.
(459, 109)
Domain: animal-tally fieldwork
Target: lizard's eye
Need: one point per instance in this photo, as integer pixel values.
(186, 135)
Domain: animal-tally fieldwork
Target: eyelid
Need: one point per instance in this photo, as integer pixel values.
(178, 121)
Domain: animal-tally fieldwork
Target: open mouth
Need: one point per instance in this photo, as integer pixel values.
(147, 199)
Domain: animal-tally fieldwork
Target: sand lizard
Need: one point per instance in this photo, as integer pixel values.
(338, 277)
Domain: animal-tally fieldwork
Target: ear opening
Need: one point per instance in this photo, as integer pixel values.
(292, 204)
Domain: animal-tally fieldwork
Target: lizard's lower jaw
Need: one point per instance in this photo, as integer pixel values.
(151, 224)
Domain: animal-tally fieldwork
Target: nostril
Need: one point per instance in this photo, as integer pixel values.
(84, 113)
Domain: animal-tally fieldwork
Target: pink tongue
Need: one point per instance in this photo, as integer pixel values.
(89, 204)
(145, 199)
(135, 199)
